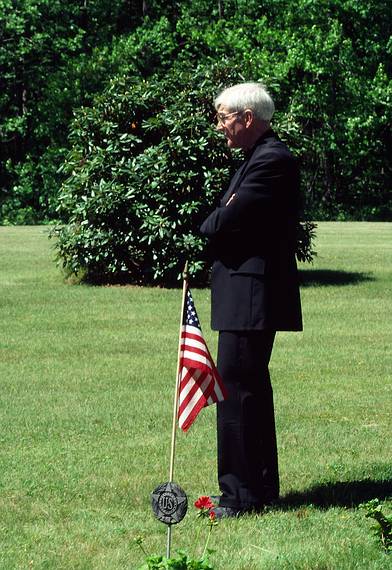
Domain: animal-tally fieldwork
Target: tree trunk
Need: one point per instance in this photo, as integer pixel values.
(220, 8)
(145, 8)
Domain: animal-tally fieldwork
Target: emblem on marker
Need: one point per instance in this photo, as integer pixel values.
(169, 503)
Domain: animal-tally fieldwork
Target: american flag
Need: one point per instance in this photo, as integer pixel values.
(200, 383)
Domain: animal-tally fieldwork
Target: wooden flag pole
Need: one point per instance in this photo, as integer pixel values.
(176, 394)
(176, 397)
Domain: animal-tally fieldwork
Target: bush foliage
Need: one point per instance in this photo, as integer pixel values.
(145, 168)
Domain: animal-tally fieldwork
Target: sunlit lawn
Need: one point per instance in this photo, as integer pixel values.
(87, 380)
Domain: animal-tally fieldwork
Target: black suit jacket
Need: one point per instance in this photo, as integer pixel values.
(254, 280)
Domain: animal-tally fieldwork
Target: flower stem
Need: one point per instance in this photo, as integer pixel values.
(207, 541)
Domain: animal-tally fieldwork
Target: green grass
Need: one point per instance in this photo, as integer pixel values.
(87, 380)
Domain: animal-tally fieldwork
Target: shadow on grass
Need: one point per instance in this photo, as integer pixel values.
(342, 494)
(312, 277)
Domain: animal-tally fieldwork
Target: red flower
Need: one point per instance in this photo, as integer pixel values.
(204, 503)
(212, 515)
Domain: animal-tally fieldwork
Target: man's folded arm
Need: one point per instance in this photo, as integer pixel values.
(252, 201)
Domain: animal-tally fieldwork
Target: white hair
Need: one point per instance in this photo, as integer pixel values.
(243, 96)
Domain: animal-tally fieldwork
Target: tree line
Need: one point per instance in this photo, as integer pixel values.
(105, 105)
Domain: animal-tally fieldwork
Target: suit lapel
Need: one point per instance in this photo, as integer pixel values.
(236, 180)
(239, 175)
(232, 186)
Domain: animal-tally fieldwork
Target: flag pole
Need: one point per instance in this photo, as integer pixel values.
(176, 396)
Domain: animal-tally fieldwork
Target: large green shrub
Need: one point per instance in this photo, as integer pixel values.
(145, 168)
(142, 172)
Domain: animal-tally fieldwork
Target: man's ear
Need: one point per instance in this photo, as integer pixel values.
(249, 117)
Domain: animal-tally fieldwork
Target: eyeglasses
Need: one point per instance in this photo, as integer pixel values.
(221, 117)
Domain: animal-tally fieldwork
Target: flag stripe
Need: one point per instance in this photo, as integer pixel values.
(190, 329)
(190, 338)
(192, 388)
(193, 342)
(193, 350)
(195, 399)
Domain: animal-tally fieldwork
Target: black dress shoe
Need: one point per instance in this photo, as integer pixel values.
(226, 512)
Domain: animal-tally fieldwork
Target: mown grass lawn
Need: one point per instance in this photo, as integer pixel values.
(87, 378)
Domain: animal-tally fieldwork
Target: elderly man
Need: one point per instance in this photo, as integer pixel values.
(254, 293)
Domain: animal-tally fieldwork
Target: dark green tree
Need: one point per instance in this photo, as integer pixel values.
(54, 57)
(328, 65)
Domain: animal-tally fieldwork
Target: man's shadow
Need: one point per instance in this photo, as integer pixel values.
(311, 277)
(340, 494)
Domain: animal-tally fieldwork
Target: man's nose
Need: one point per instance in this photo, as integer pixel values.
(219, 126)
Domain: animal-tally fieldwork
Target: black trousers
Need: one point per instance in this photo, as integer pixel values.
(247, 454)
